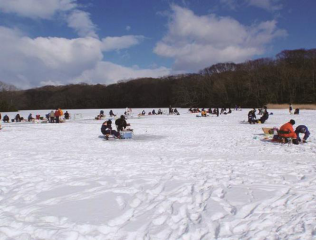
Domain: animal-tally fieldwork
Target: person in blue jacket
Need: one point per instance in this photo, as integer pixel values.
(302, 129)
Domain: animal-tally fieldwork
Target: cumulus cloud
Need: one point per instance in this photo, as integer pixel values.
(36, 8)
(117, 43)
(113, 73)
(196, 42)
(29, 62)
(80, 21)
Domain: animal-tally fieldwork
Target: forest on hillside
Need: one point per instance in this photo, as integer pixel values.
(287, 78)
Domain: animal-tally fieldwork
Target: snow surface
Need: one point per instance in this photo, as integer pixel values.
(180, 177)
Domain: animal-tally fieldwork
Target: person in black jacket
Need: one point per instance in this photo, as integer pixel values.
(18, 118)
(111, 114)
(252, 116)
(265, 116)
(67, 116)
(6, 118)
(121, 123)
(106, 130)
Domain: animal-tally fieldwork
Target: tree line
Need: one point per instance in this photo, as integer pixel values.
(287, 78)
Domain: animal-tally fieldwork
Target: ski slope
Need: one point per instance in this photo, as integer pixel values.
(180, 177)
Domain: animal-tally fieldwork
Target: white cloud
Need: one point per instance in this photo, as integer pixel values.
(80, 21)
(196, 42)
(30, 62)
(25, 62)
(117, 43)
(44, 9)
(270, 5)
(107, 72)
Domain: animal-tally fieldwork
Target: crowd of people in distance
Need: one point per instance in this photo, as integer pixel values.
(215, 111)
(173, 111)
(153, 112)
(56, 116)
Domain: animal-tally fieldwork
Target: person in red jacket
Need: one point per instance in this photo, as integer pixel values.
(57, 115)
(287, 131)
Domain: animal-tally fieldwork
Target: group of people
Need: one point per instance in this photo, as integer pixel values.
(56, 116)
(153, 112)
(286, 133)
(252, 118)
(52, 117)
(121, 125)
(296, 111)
(102, 115)
(215, 111)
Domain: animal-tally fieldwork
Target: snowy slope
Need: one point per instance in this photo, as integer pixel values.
(180, 177)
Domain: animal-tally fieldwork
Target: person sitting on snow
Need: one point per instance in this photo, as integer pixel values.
(30, 117)
(286, 131)
(297, 111)
(302, 129)
(159, 111)
(112, 114)
(264, 117)
(203, 113)
(18, 118)
(175, 111)
(121, 123)
(153, 112)
(252, 116)
(106, 130)
(143, 112)
(67, 115)
(6, 118)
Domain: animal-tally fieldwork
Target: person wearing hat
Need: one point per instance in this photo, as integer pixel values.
(106, 130)
(286, 131)
(302, 129)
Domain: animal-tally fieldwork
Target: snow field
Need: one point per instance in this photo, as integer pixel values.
(180, 177)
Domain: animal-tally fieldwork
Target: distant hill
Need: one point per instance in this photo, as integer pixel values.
(7, 87)
(290, 77)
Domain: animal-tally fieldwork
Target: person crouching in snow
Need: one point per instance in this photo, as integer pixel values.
(112, 114)
(106, 130)
(286, 131)
(302, 129)
(252, 116)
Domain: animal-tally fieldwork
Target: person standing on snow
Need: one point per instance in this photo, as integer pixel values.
(290, 108)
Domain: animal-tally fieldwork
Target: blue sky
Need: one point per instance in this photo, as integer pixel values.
(103, 41)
